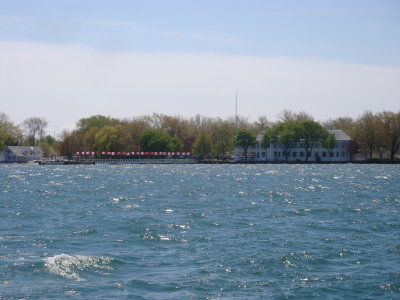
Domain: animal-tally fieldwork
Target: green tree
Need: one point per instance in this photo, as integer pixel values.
(98, 121)
(244, 139)
(286, 135)
(111, 139)
(310, 132)
(10, 135)
(329, 144)
(175, 144)
(222, 133)
(202, 145)
(88, 137)
(49, 140)
(48, 145)
(266, 140)
(155, 140)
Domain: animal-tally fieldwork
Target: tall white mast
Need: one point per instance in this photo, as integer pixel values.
(236, 116)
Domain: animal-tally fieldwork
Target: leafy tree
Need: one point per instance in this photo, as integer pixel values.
(88, 137)
(329, 144)
(49, 140)
(244, 139)
(266, 139)
(310, 132)
(10, 135)
(202, 146)
(155, 140)
(48, 145)
(286, 134)
(98, 121)
(111, 139)
(222, 133)
(176, 144)
(34, 130)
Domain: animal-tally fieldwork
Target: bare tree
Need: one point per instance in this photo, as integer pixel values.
(69, 144)
(288, 115)
(34, 130)
(366, 132)
(389, 131)
(262, 123)
(346, 124)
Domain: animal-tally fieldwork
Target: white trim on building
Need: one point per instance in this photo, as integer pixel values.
(274, 152)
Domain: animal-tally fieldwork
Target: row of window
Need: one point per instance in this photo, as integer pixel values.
(301, 154)
(338, 145)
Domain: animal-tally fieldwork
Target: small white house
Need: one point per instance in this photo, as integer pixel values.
(20, 154)
(274, 153)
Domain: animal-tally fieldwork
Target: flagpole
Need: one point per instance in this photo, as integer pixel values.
(236, 116)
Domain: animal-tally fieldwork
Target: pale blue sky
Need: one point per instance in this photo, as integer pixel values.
(180, 56)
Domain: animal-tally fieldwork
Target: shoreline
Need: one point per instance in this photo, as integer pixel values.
(191, 162)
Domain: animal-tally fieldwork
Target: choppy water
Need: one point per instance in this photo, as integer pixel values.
(200, 232)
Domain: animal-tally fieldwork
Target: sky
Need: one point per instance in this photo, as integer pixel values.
(66, 60)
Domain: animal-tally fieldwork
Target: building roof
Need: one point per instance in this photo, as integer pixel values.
(340, 135)
(22, 150)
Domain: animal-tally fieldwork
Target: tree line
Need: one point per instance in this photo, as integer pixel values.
(374, 135)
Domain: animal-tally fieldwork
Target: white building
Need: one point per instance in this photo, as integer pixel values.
(21, 154)
(274, 153)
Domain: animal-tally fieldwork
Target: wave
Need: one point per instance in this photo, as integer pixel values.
(68, 266)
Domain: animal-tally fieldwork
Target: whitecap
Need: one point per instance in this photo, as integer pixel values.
(68, 266)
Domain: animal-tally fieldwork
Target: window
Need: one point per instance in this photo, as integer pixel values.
(324, 154)
(301, 154)
(294, 154)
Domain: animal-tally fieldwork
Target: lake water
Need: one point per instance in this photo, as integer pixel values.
(200, 232)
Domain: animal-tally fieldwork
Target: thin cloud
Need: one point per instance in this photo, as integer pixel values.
(65, 84)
